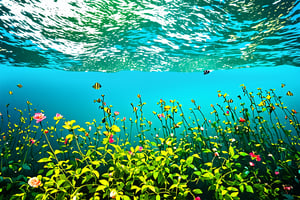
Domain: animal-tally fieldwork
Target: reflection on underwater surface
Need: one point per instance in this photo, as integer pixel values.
(181, 36)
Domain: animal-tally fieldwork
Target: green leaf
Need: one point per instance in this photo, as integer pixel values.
(125, 197)
(100, 187)
(49, 173)
(155, 174)
(137, 189)
(197, 191)
(104, 182)
(231, 151)
(234, 194)
(224, 192)
(243, 153)
(44, 160)
(249, 188)
(25, 166)
(96, 173)
(189, 160)
(57, 152)
(96, 162)
(157, 197)
(242, 188)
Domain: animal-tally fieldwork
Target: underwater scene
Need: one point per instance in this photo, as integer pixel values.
(152, 99)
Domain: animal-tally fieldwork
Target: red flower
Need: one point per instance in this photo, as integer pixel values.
(242, 119)
(197, 198)
(257, 157)
(66, 141)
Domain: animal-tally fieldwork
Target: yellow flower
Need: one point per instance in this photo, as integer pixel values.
(167, 108)
(115, 128)
(68, 124)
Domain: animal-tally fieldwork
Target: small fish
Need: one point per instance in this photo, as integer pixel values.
(97, 86)
(207, 72)
(289, 93)
(282, 85)
(10, 92)
(19, 86)
(230, 101)
(239, 96)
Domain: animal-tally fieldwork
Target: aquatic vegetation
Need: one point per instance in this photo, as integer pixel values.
(246, 148)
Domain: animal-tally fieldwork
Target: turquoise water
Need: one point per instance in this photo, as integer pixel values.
(71, 93)
(179, 36)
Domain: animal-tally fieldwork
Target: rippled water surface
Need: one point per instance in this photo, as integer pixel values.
(177, 35)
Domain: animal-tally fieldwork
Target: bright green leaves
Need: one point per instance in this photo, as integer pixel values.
(197, 191)
(231, 151)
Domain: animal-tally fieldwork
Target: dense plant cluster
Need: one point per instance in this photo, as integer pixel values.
(244, 150)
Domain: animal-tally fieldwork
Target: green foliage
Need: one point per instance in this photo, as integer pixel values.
(238, 155)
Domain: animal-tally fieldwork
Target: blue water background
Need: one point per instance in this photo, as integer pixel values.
(71, 93)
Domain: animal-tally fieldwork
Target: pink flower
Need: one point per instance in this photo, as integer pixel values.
(197, 198)
(140, 148)
(227, 112)
(32, 141)
(116, 113)
(58, 116)
(111, 139)
(39, 117)
(161, 115)
(130, 152)
(251, 164)
(276, 172)
(124, 118)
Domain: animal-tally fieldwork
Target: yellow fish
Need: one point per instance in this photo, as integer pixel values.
(10, 92)
(289, 93)
(282, 85)
(19, 86)
(97, 86)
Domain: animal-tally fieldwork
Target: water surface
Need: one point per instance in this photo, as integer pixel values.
(149, 35)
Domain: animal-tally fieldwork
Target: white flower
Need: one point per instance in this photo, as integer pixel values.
(201, 128)
(214, 149)
(113, 194)
(172, 134)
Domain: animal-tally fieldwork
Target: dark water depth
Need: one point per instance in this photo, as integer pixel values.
(149, 35)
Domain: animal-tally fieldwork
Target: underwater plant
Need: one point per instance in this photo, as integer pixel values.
(245, 148)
